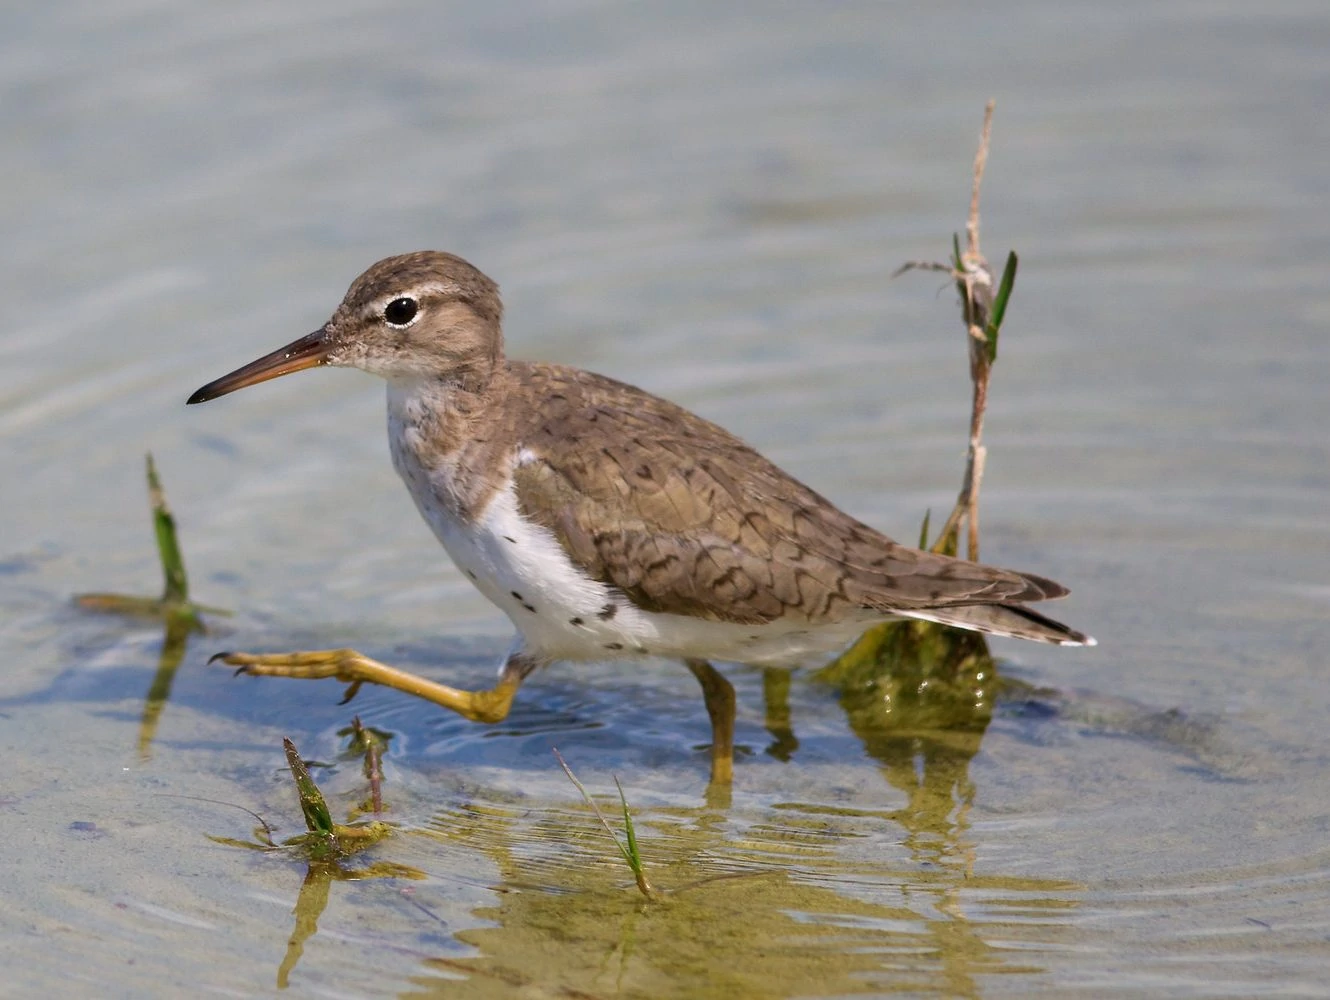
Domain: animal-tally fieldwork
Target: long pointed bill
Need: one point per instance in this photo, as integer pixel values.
(309, 351)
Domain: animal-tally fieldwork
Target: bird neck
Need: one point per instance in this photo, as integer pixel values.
(447, 436)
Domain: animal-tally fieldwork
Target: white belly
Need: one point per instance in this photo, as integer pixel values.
(563, 614)
(560, 611)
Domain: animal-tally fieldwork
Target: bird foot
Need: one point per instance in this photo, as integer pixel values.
(355, 669)
(344, 664)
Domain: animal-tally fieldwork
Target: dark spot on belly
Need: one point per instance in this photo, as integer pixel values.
(576, 621)
(510, 538)
(934, 595)
(608, 611)
(471, 574)
(641, 651)
(614, 645)
(522, 601)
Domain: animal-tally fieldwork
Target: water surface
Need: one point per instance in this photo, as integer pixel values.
(707, 203)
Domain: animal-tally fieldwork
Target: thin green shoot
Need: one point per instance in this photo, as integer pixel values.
(634, 853)
(174, 605)
(630, 852)
(175, 584)
(1000, 306)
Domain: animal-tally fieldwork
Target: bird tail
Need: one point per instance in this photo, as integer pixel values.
(1014, 620)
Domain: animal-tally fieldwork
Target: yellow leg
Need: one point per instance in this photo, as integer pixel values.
(776, 694)
(355, 669)
(719, 696)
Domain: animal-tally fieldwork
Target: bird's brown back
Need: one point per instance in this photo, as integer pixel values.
(685, 518)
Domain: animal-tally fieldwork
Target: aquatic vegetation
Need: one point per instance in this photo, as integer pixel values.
(181, 616)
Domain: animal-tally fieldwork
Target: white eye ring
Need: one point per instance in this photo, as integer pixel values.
(401, 312)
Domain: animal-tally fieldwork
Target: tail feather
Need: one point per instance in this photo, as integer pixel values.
(1014, 620)
(1051, 589)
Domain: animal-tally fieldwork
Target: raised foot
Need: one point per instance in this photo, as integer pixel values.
(355, 669)
(348, 666)
(344, 664)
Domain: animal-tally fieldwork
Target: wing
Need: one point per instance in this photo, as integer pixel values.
(685, 518)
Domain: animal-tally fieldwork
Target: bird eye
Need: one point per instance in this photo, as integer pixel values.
(400, 312)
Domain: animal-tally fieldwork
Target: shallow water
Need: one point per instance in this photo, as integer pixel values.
(707, 204)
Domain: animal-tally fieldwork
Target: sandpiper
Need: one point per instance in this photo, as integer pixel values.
(606, 522)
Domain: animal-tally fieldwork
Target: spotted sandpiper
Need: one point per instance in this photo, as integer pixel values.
(606, 522)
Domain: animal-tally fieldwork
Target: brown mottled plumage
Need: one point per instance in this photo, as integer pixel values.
(685, 518)
(602, 518)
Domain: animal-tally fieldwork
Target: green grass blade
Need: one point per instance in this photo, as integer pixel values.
(956, 260)
(1000, 306)
(923, 530)
(176, 586)
(634, 855)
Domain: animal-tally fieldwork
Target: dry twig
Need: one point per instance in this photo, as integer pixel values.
(982, 311)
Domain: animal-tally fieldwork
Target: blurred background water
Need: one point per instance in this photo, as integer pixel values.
(705, 201)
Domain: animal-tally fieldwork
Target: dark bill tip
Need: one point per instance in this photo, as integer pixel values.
(309, 351)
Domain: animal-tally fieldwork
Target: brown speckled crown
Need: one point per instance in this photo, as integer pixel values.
(424, 268)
